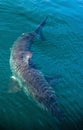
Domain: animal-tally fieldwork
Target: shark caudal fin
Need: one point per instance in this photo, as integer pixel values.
(39, 28)
(49, 101)
(53, 107)
(55, 110)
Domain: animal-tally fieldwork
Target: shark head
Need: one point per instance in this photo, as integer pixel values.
(29, 36)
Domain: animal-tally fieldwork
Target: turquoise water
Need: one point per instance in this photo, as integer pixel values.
(61, 54)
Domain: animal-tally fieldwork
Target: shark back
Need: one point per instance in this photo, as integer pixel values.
(29, 77)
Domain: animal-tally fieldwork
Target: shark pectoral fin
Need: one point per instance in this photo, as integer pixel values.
(13, 85)
(53, 80)
(32, 64)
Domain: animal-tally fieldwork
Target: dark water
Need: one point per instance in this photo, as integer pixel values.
(61, 54)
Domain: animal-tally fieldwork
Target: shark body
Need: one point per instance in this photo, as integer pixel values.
(31, 80)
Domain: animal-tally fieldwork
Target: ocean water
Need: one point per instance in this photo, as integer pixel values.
(61, 54)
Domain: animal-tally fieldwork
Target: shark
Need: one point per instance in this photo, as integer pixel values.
(30, 79)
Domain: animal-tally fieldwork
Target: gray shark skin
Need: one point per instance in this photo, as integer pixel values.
(30, 79)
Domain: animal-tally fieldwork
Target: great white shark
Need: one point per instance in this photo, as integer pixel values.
(30, 79)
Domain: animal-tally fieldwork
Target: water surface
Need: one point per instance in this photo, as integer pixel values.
(61, 54)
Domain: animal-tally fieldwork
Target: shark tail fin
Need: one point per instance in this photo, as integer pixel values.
(38, 30)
